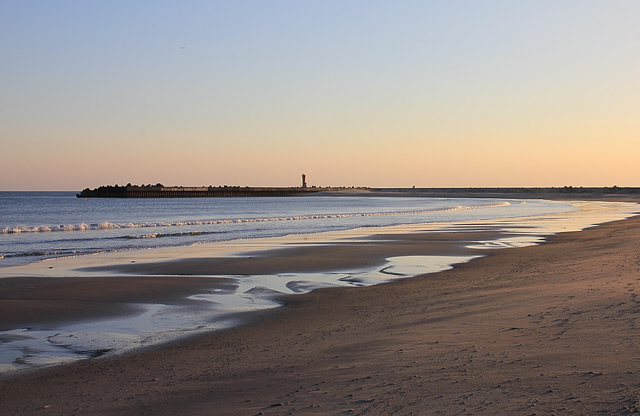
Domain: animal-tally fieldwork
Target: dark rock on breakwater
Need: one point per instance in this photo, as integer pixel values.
(159, 191)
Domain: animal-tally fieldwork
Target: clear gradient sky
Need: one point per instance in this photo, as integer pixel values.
(350, 92)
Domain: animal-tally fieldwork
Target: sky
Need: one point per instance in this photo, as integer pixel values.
(349, 92)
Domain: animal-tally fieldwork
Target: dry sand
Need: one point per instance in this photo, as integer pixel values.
(548, 329)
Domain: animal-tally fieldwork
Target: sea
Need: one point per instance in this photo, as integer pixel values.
(40, 226)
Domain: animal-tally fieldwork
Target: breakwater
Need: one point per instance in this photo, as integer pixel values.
(135, 191)
(160, 191)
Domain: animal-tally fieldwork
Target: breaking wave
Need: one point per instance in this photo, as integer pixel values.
(106, 225)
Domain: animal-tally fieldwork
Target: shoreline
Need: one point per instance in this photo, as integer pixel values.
(294, 314)
(91, 287)
(76, 308)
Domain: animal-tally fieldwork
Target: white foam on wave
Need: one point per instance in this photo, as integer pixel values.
(106, 225)
(151, 235)
(46, 228)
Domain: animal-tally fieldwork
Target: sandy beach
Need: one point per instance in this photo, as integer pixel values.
(546, 329)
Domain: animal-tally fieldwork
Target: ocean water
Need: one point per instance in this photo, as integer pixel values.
(36, 226)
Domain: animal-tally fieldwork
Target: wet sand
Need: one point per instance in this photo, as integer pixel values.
(543, 329)
(41, 302)
(328, 256)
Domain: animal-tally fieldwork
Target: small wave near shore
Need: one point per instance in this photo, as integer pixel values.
(106, 225)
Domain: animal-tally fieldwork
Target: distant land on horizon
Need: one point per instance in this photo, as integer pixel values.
(161, 191)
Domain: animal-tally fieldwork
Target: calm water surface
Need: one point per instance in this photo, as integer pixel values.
(35, 226)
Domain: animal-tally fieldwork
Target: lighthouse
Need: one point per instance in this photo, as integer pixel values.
(304, 180)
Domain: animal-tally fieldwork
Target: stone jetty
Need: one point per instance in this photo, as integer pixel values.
(159, 191)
